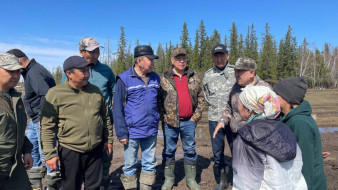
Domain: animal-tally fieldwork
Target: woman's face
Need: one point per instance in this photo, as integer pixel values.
(243, 111)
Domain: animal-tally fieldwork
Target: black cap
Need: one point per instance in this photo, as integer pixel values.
(219, 48)
(18, 53)
(75, 62)
(144, 50)
(292, 89)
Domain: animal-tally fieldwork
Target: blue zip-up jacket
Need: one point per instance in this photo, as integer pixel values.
(103, 77)
(136, 105)
(38, 81)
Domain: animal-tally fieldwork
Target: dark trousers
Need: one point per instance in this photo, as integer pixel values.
(218, 144)
(81, 167)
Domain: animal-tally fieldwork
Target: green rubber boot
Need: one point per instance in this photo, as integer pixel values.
(35, 175)
(190, 176)
(53, 181)
(129, 182)
(147, 179)
(169, 175)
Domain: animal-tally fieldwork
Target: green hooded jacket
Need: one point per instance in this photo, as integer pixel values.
(13, 142)
(300, 121)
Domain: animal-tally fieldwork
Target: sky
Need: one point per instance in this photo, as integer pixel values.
(50, 31)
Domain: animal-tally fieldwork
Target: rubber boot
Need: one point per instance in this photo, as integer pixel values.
(35, 175)
(53, 181)
(169, 174)
(190, 176)
(129, 182)
(223, 184)
(147, 179)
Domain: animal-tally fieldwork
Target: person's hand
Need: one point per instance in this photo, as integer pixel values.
(219, 126)
(39, 126)
(124, 141)
(109, 147)
(191, 119)
(326, 154)
(53, 163)
(28, 161)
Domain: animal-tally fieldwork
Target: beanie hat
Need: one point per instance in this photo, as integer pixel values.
(292, 89)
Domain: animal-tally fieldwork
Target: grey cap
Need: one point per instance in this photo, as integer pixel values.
(292, 89)
(178, 51)
(244, 63)
(88, 44)
(9, 62)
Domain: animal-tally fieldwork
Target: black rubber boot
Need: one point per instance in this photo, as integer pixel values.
(223, 179)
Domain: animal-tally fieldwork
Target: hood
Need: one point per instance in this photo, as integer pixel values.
(303, 109)
(272, 137)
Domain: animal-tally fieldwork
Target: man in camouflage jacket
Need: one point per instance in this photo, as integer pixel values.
(217, 84)
(245, 73)
(181, 106)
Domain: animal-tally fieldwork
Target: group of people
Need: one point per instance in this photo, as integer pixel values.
(273, 139)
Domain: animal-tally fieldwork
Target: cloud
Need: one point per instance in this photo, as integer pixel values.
(38, 50)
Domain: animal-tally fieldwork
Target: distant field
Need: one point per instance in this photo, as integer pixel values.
(324, 106)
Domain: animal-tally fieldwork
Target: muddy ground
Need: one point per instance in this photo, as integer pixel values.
(325, 111)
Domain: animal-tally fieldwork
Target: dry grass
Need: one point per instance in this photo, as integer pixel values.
(324, 105)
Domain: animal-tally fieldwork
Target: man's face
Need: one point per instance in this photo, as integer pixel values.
(220, 59)
(284, 105)
(146, 64)
(9, 79)
(243, 112)
(91, 56)
(179, 62)
(244, 77)
(78, 78)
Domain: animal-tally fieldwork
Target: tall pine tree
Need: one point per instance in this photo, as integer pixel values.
(234, 52)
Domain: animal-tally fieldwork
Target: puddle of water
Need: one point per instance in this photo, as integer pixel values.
(328, 129)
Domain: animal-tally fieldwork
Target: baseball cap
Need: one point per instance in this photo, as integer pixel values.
(75, 62)
(178, 51)
(244, 63)
(144, 50)
(88, 44)
(9, 62)
(219, 48)
(18, 53)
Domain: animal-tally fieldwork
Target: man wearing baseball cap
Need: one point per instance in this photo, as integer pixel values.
(38, 80)
(136, 117)
(102, 76)
(181, 106)
(217, 84)
(77, 113)
(15, 156)
(245, 73)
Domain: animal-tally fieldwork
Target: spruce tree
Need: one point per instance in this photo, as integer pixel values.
(160, 62)
(120, 64)
(234, 52)
(196, 59)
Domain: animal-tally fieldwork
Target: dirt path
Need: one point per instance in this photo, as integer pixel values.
(205, 176)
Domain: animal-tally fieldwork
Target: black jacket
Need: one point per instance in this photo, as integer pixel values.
(38, 81)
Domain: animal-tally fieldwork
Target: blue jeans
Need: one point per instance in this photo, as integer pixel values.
(186, 130)
(218, 142)
(148, 159)
(34, 136)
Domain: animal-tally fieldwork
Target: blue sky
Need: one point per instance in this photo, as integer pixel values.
(50, 30)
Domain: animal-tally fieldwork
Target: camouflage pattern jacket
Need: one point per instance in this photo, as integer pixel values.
(231, 113)
(169, 98)
(217, 85)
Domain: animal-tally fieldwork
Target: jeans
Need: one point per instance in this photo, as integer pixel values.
(218, 142)
(148, 159)
(34, 136)
(186, 130)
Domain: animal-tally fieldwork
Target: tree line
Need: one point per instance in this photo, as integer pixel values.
(275, 60)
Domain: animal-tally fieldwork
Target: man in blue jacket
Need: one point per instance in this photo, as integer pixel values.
(136, 117)
(102, 76)
(38, 81)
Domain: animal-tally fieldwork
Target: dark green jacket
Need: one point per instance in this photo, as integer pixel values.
(13, 142)
(79, 118)
(307, 134)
